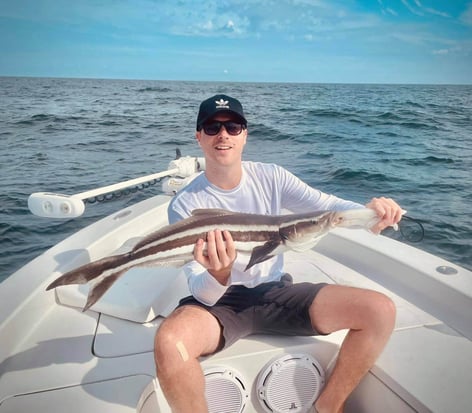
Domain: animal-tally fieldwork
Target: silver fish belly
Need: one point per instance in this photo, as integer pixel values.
(261, 236)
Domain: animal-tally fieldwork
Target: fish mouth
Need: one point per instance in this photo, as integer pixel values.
(355, 218)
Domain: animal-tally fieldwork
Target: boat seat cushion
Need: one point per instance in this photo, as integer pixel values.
(140, 295)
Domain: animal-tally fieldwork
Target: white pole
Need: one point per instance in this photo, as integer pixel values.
(51, 205)
(125, 184)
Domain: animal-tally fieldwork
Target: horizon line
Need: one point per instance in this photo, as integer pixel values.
(236, 81)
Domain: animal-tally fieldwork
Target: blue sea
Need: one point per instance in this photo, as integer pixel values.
(409, 142)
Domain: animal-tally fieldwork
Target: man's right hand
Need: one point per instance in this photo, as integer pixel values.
(220, 254)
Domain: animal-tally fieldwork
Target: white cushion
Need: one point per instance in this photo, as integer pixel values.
(140, 295)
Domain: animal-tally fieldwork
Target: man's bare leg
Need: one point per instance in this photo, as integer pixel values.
(188, 333)
(370, 318)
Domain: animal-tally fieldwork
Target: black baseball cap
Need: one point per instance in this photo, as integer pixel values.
(219, 104)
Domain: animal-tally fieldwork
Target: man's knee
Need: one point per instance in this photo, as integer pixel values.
(377, 312)
(188, 333)
(340, 307)
(384, 310)
(165, 341)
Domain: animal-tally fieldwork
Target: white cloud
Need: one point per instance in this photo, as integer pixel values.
(288, 18)
(411, 38)
(450, 50)
(466, 16)
(386, 10)
(436, 12)
(311, 3)
(411, 8)
(207, 25)
(421, 10)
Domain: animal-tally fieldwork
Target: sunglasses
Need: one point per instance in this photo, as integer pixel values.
(233, 128)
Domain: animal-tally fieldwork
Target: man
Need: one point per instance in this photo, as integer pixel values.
(226, 300)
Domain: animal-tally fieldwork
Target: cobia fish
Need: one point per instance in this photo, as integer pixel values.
(261, 236)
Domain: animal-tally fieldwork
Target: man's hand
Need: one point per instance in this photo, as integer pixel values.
(389, 212)
(219, 256)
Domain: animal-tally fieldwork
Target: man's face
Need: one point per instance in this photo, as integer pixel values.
(223, 148)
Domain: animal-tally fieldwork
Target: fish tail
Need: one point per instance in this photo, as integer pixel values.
(87, 272)
(100, 286)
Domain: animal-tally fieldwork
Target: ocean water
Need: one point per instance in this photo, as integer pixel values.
(409, 142)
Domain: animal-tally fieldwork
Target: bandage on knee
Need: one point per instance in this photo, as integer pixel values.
(182, 350)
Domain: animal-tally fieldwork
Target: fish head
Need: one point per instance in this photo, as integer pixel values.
(306, 230)
(302, 232)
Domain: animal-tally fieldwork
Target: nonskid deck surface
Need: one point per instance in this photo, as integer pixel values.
(105, 363)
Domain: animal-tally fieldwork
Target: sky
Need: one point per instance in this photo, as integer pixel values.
(319, 41)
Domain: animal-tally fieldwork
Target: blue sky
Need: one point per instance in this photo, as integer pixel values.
(322, 41)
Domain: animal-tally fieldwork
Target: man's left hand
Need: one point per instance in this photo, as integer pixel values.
(389, 212)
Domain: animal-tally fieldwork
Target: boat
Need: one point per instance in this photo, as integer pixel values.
(54, 357)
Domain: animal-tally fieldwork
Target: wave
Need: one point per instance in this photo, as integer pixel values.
(414, 104)
(48, 118)
(43, 117)
(328, 113)
(154, 89)
(403, 118)
(389, 116)
(316, 155)
(419, 125)
(268, 133)
(388, 134)
(428, 161)
(346, 174)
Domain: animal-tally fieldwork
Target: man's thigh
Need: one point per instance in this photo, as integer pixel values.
(191, 329)
(339, 307)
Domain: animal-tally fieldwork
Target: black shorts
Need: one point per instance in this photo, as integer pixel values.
(276, 307)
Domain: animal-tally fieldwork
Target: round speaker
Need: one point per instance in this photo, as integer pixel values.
(290, 383)
(225, 390)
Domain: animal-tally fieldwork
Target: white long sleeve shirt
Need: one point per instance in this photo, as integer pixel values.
(264, 189)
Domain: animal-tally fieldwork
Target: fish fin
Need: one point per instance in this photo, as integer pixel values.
(262, 253)
(211, 212)
(87, 272)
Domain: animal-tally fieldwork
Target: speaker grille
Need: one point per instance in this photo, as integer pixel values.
(290, 384)
(225, 391)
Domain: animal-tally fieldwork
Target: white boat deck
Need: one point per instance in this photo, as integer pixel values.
(54, 357)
